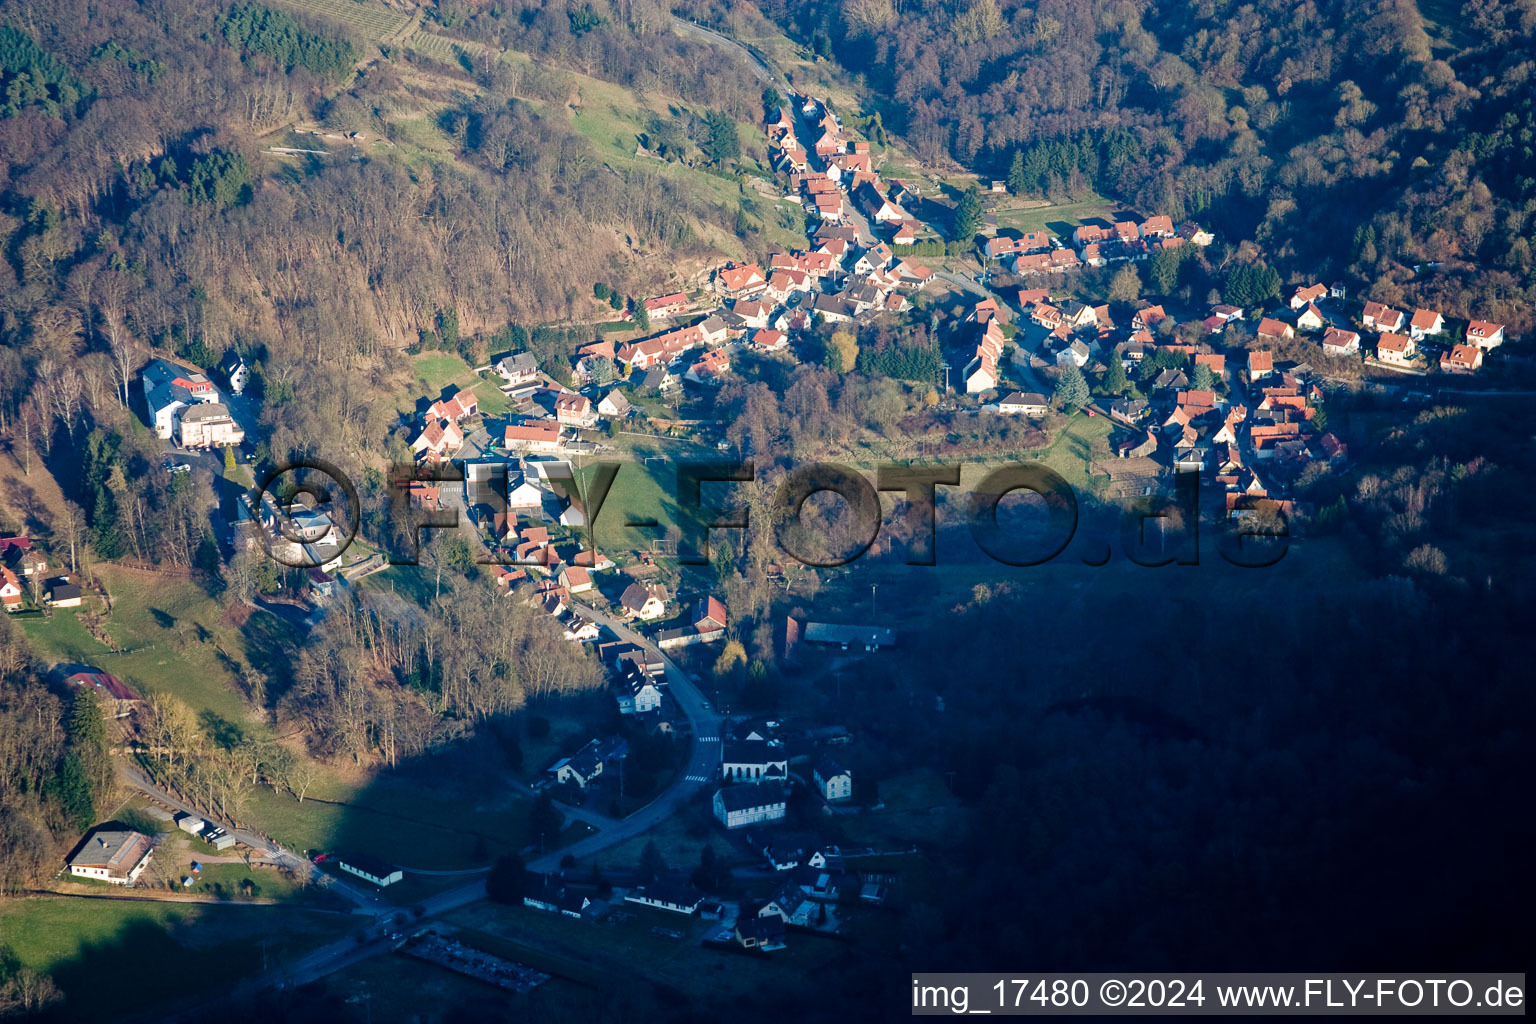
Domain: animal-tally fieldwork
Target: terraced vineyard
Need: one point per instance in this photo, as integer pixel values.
(373, 20)
(442, 48)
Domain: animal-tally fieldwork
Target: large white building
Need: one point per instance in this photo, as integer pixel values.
(168, 389)
(753, 761)
(740, 806)
(207, 425)
(118, 856)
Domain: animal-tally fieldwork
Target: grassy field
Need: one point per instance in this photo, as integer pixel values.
(406, 819)
(639, 492)
(1060, 219)
(175, 639)
(114, 957)
(437, 370)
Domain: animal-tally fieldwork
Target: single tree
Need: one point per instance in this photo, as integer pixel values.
(652, 866)
(1203, 378)
(1125, 286)
(508, 879)
(1016, 179)
(1071, 389)
(1114, 382)
(967, 215)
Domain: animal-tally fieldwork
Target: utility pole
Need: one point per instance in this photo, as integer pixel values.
(874, 609)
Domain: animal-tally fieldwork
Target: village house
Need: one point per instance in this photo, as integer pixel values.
(1260, 365)
(550, 894)
(1425, 323)
(1147, 318)
(62, 592)
(739, 806)
(753, 312)
(10, 590)
(765, 934)
(235, 372)
(579, 629)
(1307, 295)
(753, 761)
(736, 280)
(635, 690)
(710, 368)
(833, 780)
(21, 557)
(667, 305)
(1195, 234)
(438, 439)
(518, 369)
(371, 869)
(1461, 359)
(1215, 360)
(1023, 403)
(667, 894)
(582, 767)
(111, 692)
(575, 410)
(790, 905)
(1338, 342)
(1076, 353)
(117, 856)
(1311, 319)
(459, 407)
(1274, 330)
(769, 340)
(1379, 317)
(709, 615)
(532, 436)
(614, 405)
(1485, 335)
(1396, 349)
(643, 602)
(659, 379)
(575, 579)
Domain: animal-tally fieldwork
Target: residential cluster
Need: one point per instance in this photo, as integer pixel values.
(810, 883)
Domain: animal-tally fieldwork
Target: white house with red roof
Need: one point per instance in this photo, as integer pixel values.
(1462, 359)
(1380, 317)
(1425, 323)
(10, 590)
(1271, 329)
(667, 305)
(738, 279)
(1396, 349)
(1339, 342)
(1306, 295)
(1485, 335)
(575, 410)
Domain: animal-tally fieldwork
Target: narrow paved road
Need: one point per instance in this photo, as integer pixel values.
(760, 67)
(700, 768)
(365, 902)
